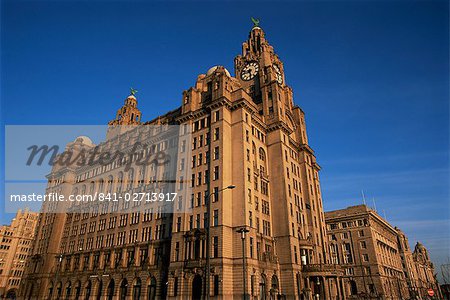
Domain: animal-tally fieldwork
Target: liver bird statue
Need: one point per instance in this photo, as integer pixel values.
(255, 22)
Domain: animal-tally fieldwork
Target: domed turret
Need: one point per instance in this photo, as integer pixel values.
(84, 140)
(216, 68)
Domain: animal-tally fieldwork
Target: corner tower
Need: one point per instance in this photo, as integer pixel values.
(261, 73)
(126, 117)
(128, 114)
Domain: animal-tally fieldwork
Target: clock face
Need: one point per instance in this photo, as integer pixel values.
(249, 71)
(278, 75)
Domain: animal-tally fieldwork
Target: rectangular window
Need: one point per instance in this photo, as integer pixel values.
(216, 134)
(216, 246)
(178, 224)
(215, 194)
(363, 245)
(216, 173)
(216, 153)
(216, 217)
(177, 251)
(197, 221)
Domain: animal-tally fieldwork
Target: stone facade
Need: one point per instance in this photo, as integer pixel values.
(377, 260)
(246, 132)
(16, 241)
(423, 275)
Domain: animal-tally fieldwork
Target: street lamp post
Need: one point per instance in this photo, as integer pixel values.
(208, 234)
(243, 231)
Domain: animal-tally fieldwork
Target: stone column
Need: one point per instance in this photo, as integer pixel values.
(326, 288)
(344, 290)
(338, 288)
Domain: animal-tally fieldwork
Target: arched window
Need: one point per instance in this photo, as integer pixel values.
(50, 290)
(130, 181)
(123, 290)
(274, 285)
(100, 185)
(262, 155)
(151, 289)
(110, 291)
(59, 290)
(68, 290)
(119, 182)
(141, 176)
(262, 161)
(77, 290)
(87, 290)
(92, 187)
(109, 184)
(137, 289)
(262, 288)
(99, 290)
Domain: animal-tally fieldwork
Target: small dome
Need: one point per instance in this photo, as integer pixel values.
(84, 140)
(131, 97)
(213, 69)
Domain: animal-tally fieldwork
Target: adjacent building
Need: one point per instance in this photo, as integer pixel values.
(424, 279)
(247, 133)
(376, 257)
(16, 241)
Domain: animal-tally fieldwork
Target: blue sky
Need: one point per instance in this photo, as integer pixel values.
(372, 77)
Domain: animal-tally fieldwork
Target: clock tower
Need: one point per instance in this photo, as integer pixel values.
(261, 73)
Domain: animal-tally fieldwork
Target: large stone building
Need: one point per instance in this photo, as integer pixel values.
(376, 257)
(16, 241)
(246, 133)
(418, 269)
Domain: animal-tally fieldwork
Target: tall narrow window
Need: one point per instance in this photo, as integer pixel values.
(216, 246)
(216, 217)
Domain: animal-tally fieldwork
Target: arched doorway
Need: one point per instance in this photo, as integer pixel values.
(353, 288)
(11, 295)
(151, 289)
(123, 290)
(197, 287)
(262, 288)
(274, 287)
(110, 291)
(137, 289)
